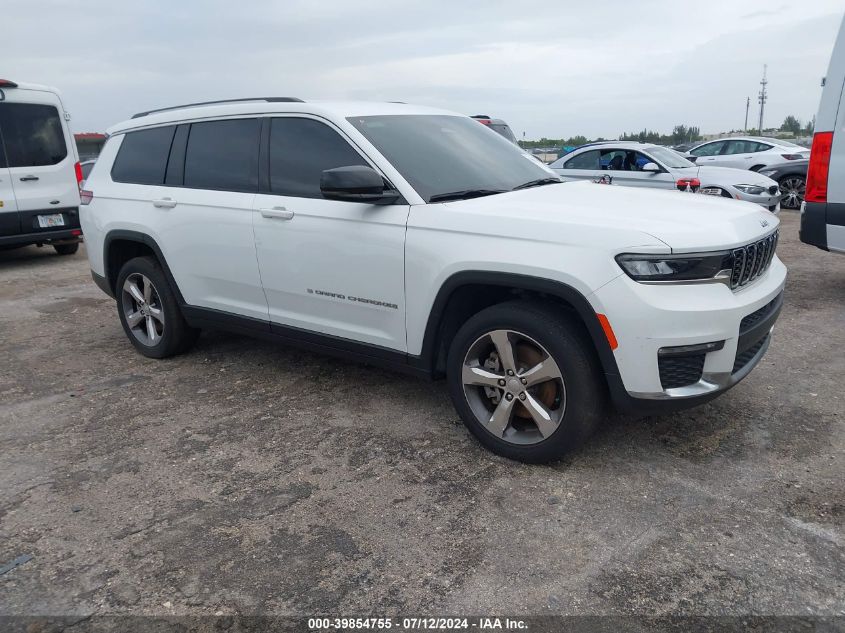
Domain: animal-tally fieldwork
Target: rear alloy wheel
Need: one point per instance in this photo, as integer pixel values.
(142, 309)
(149, 311)
(792, 189)
(525, 381)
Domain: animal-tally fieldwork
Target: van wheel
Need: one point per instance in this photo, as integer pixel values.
(149, 312)
(66, 249)
(525, 381)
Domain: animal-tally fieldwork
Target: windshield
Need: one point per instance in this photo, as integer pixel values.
(669, 157)
(441, 154)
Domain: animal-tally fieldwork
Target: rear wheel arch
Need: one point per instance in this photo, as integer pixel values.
(120, 246)
(467, 293)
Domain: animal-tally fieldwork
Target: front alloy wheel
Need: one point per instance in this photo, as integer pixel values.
(525, 379)
(514, 387)
(142, 309)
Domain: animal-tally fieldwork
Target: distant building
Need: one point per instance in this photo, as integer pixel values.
(89, 144)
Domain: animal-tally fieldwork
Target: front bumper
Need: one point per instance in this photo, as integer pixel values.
(648, 318)
(771, 203)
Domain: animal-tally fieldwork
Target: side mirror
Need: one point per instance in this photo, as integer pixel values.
(356, 183)
(652, 167)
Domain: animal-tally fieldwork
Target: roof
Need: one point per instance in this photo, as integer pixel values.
(328, 109)
(625, 144)
(25, 86)
(766, 139)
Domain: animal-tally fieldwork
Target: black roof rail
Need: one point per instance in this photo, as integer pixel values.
(205, 103)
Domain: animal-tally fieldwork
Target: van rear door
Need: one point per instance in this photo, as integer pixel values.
(823, 211)
(41, 160)
(9, 222)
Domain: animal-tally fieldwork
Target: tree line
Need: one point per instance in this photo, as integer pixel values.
(680, 134)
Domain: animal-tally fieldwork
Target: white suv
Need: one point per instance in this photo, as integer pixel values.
(419, 240)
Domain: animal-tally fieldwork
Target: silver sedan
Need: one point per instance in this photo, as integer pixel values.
(645, 165)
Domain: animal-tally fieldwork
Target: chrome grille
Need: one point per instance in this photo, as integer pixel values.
(752, 260)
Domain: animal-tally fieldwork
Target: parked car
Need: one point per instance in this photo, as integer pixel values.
(645, 165)
(792, 178)
(39, 170)
(823, 212)
(684, 147)
(746, 152)
(497, 125)
(368, 230)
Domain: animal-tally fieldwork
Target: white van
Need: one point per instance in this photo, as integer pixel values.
(823, 211)
(39, 170)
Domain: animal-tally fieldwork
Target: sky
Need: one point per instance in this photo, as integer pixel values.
(550, 69)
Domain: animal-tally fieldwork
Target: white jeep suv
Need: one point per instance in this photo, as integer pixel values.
(419, 240)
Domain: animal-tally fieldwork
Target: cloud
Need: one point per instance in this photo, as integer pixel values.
(549, 69)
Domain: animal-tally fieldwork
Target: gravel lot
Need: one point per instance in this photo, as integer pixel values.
(247, 478)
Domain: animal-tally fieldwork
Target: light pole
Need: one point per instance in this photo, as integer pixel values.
(762, 98)
(747, 106)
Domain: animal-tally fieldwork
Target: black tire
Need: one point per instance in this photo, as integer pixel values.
(175, 335)
(567, 342)
(66, 249)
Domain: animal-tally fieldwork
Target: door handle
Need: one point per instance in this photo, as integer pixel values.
(277, 213)
(164, 203)
(28, 178)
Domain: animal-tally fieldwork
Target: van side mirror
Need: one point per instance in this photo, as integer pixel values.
(356, 183)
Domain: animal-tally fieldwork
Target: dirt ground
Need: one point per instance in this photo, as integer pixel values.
(244, 478)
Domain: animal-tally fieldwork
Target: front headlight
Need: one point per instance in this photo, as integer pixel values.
(752, 190)
(677, 268)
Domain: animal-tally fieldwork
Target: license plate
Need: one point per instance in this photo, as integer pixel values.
(49, 221)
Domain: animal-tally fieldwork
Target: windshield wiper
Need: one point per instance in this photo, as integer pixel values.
(464, 195)
(537, 183)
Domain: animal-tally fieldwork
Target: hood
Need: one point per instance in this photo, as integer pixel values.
(588, 214)
(727, 176)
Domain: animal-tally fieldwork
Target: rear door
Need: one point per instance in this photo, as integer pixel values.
(41, 160)
(708, 154)
(582, 166)
(9, 222)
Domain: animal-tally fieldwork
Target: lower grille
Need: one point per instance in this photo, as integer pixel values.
(680, 371)
(743, 358)
(758, 315)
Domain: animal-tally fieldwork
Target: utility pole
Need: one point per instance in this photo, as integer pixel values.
(762, 98)
(747, 106)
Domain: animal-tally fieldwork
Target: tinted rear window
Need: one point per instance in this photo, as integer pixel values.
(32, 134)
(142, 157)
(223, 155)
(587, 160)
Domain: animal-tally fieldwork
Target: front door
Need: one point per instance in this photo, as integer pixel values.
(327, 266)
